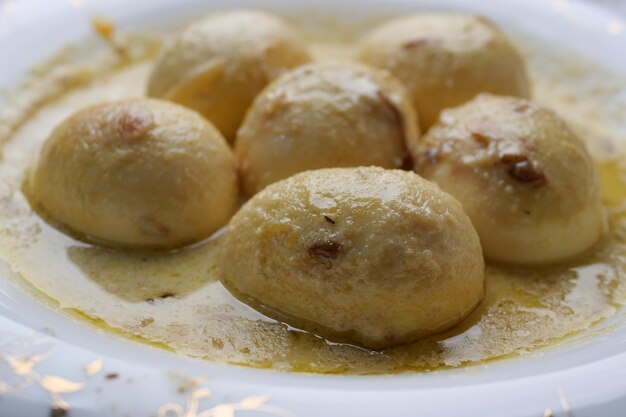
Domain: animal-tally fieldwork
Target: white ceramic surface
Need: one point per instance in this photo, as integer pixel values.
(589, 377)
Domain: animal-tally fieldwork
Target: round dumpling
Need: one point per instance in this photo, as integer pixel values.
(322, 116)
(445, 59)
(526, 181)
(219, 64)
(137, 173)
(364, 255)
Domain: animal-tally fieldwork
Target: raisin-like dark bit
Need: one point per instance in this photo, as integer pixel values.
(326, 250)
(522, 169)
(510, 158)
(526, 172)
(480, 138)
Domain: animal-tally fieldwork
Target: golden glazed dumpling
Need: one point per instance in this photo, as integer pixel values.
(138, 173)
(219, 64)
(526, 181)
(322, 116)
(365, 255)
(445, 59)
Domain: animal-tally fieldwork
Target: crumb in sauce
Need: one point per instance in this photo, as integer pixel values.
(163, 296)
(146, 322)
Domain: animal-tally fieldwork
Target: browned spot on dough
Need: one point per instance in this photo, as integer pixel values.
(482, 139)
(483, 130)
(520, 107)
(151, 227)
(325, 250)
(416, 43)
(509, 158)
(134, 123)
(522, 169)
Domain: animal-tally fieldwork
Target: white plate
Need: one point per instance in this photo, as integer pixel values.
(589, 377)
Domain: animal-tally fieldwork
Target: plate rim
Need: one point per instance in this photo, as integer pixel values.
(402, 390)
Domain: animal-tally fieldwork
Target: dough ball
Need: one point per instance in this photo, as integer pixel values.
(526, 181)
(138, 173)
(321, 116)
(365, 255)
(445, 59)
(219, 64)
